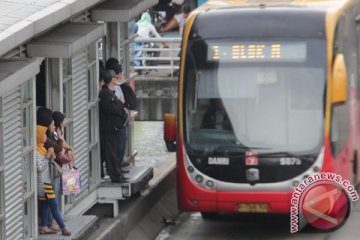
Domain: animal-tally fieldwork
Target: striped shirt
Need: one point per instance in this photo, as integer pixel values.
(44, 187)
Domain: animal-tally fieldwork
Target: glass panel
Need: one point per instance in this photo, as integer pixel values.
(91, 55)
(65, 95)
(91, 52)
(91, 83)
(89, 78)
(2, 230)
(68, 133)
(94, 164)
(26, 91)
(89, 126)
(27, 219)
(91, 160)
(92, 127)
(1, 147)
(0, 107)
(2, 197)
(101, 47)
(66, 67)
(95, 82)
(27, 129)
(28, 159)
(67, 99)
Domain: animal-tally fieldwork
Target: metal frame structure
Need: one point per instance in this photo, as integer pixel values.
(71, 80)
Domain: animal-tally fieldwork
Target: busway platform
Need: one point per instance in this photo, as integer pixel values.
(136, 217)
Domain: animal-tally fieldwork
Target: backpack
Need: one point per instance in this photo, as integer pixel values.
(129, 96)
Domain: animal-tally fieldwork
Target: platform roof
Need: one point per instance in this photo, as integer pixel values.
(15, 72)
(21, 20)
(65, 40)
(121, 11)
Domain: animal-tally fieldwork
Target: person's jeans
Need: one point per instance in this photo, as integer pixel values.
(121, 135)
(56, 185)
(45, 206)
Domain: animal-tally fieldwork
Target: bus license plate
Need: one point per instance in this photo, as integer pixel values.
(253, 208)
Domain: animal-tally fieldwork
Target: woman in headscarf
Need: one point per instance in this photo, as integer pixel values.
(45, 189)
(146, 30)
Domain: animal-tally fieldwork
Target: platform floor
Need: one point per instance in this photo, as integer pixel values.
(77, 225)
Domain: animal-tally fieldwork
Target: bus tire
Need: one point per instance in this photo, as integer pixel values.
(170, 146)
(209, 215)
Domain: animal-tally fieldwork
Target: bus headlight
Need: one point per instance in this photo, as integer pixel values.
(199, 178)
(190, 169)
(295, 183)
(209, 184)
(316, 169)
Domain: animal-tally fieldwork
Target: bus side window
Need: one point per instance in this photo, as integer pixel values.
(334, 136)
(339, 127)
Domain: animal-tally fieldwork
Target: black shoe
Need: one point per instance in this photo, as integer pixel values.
(125, 165)
(124, 171)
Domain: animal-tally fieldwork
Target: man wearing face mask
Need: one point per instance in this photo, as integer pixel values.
(112, 119)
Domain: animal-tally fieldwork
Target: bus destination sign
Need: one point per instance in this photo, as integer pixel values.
(257, 51)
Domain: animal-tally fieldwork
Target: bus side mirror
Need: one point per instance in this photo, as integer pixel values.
(339, 80)
(170, 132)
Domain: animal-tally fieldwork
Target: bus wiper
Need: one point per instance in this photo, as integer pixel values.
(286, 154)
(232, 147)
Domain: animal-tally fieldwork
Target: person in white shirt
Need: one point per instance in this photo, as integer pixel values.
(178, 21)
(145, 28)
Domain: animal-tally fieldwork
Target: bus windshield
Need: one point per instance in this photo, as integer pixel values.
(252, 95)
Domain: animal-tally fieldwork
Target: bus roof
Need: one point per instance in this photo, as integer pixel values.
(322, 4)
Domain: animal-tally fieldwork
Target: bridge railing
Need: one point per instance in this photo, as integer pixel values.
(150, 58)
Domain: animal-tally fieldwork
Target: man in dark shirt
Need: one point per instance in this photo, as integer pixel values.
(112, 118)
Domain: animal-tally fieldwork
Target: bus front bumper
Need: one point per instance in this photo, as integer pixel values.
(255, 202)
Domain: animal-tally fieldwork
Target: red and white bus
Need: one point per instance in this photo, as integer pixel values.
(268, 95)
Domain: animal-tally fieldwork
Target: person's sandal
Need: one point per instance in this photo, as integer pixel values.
(46, 230)
(65, 232)
(55, 227)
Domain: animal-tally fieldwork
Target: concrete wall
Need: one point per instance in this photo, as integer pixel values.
(140, 218)
(155, 98)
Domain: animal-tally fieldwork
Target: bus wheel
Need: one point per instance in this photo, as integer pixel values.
(171, 146)
(209, 215)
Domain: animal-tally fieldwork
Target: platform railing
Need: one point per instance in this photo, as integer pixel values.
(150, 57)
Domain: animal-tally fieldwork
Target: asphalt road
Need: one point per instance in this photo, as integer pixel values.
(191, 226)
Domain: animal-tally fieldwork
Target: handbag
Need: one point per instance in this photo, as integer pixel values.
(55, 169)
(71, 181)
